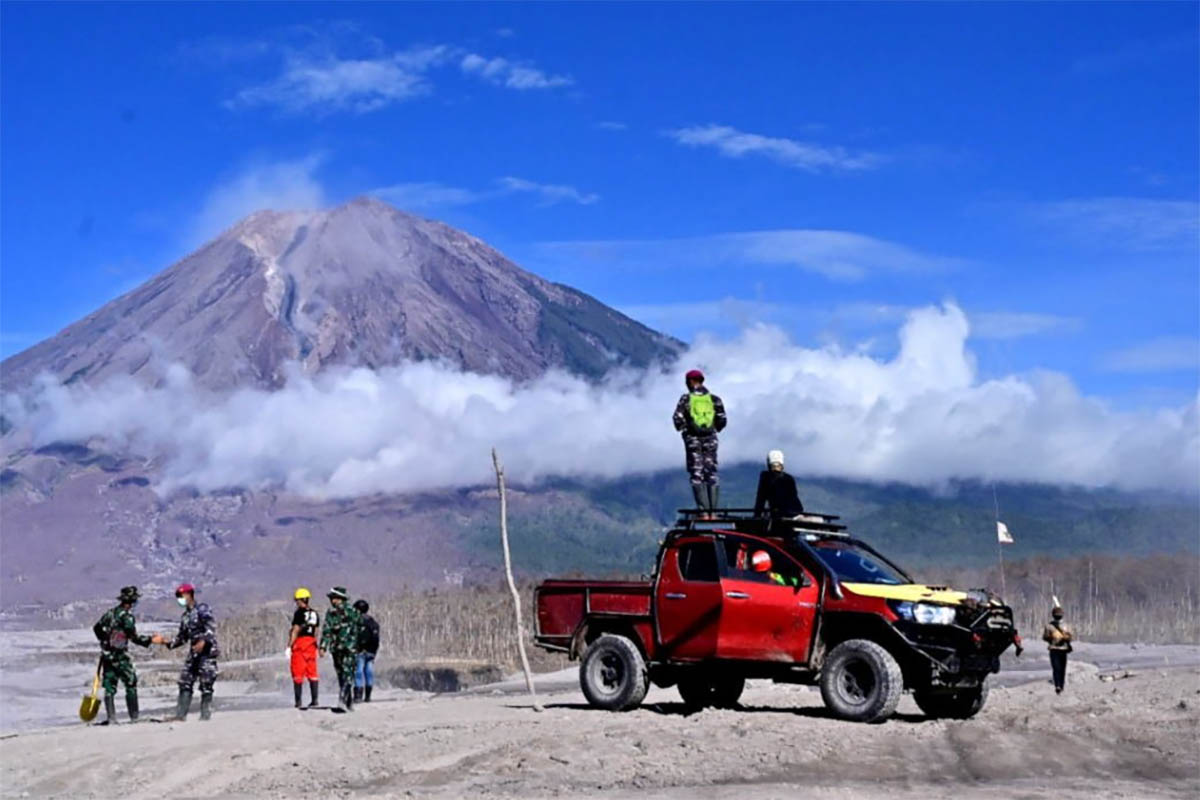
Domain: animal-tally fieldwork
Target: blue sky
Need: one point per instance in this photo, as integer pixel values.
(821, 167)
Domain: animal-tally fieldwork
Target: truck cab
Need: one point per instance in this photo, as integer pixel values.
(734, 597)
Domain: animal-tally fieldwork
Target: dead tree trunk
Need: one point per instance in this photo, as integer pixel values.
(512, 585)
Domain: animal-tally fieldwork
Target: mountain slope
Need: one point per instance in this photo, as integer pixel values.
(362, 284)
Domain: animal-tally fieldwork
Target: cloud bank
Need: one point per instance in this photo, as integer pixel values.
(922, 417)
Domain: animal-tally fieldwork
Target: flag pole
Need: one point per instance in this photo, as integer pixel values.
(999, 543)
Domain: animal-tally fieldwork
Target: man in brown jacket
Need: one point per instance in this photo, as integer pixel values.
(1057, 635)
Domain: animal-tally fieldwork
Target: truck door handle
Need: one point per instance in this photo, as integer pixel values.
(738, 595)
(675, 596)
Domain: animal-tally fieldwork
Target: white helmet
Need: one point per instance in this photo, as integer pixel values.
(775, 457)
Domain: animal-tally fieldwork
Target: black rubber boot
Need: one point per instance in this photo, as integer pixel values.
(348, 697)
(131, 705)
(110, 710)
(312, 689)
(299, 689)
(367, 693)
(698, 493)
(183, 705)
(206, 706)
(358, 694)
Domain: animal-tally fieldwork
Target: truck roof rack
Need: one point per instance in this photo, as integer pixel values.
(744, 520)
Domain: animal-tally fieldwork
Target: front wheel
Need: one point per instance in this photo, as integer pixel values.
(861, 681)
(954, 704)
(613, 674)
(701, 689)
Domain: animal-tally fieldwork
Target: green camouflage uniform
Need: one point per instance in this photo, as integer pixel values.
(115, 630)
(339, 638)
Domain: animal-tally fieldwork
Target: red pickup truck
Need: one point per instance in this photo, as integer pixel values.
(736, 597)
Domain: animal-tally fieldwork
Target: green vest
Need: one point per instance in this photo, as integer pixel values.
(702, 410)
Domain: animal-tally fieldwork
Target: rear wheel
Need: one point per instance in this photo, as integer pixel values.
(954, 704)
(613, 673)
(861, 681)
(703, 689)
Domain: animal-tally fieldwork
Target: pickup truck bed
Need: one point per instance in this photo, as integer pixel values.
(563, 605)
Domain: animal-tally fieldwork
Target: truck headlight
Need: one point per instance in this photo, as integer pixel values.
(925, 613)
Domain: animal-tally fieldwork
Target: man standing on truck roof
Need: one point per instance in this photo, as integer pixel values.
(777, 491)
(699, 417)
(1058, 635)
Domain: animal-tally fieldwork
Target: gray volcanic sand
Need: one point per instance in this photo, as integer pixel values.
(1133, 737)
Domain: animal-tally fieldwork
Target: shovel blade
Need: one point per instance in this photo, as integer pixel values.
(89, 708)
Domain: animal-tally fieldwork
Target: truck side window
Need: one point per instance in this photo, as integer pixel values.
(783, 570)
(698, 562)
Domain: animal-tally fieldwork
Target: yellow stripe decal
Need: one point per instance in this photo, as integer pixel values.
(912, 592)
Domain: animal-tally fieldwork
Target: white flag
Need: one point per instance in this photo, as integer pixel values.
(1002, 533)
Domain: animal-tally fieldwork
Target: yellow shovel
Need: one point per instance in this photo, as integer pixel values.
(90, 706)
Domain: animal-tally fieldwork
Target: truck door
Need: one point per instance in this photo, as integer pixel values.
(688, 600)
(766, 615)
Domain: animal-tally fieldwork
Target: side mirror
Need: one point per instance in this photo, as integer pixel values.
(760, 561)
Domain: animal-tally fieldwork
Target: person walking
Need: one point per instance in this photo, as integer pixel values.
(302, 647)
(198, 630)
(368, 646)
(339, 638)
(115, 630)
(699, 416)
(1058, 635)
(777, 493)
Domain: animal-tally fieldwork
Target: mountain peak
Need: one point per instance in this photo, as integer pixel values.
(360, 284)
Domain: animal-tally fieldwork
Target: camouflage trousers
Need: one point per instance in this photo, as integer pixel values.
(198, 667)
(116, 665)
(702, 459)
(344, 662)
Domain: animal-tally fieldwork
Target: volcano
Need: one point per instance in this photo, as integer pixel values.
(361, 285)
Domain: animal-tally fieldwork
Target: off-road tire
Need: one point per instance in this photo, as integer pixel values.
(702, 689)
(861, 681)
(958, 704)
(613, 674)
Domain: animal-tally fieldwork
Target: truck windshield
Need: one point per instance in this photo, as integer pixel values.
(855, 565)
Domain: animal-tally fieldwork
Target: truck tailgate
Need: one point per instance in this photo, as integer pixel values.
(563, 604)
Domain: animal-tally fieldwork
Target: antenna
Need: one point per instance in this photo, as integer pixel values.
(999, 544)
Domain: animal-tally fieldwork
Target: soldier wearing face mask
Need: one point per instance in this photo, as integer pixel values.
(198, 630)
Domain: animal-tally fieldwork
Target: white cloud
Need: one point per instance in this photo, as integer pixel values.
(340, 68)
(428, 195)
(433, 195)
(790, 152)
(611, 125)
(1132, 223)
(549, 193)
(511, 75)
(326, 83)
(1164, 354)
(686, 315)
(280, 186)
(856, 317)
(1020, 324)
(839, 255)
(922, 416)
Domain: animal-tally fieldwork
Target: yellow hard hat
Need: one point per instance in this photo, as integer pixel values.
(302, 594)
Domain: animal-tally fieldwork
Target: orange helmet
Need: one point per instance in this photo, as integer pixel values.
(760, 561)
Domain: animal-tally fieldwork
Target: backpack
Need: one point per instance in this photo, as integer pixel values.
(704, 413)
(109, 638)
(368, 635)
